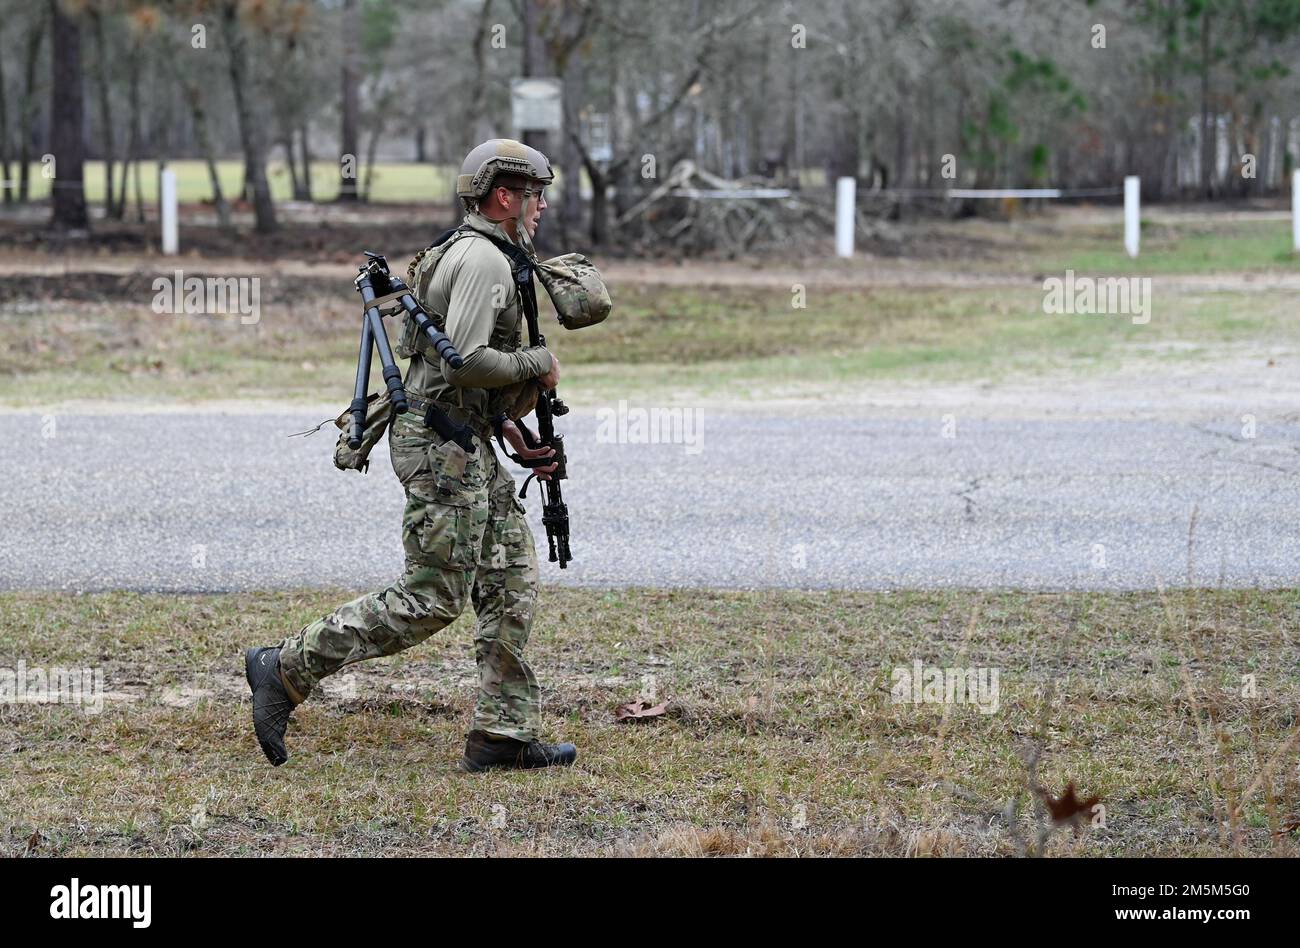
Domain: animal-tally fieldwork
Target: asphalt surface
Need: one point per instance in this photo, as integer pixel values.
(207, 501)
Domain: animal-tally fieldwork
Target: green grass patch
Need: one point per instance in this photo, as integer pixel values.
(393, 181)
(1228, 246)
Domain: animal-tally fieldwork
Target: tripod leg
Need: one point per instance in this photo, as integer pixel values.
(359, 392)
(375, 325)
(441, 344)
(392, 374)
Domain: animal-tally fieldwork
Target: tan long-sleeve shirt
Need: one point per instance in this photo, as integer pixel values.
(473, 290)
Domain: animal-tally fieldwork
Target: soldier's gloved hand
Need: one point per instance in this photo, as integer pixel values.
(551, 378)
(516, 440)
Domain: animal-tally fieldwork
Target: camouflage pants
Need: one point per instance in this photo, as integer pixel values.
(465, 539)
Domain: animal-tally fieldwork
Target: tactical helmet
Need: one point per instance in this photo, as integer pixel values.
(499, 156)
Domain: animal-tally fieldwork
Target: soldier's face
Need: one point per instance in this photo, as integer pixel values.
(510, 199)
(533, 213)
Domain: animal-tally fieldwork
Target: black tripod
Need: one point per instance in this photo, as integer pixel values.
(378, 288)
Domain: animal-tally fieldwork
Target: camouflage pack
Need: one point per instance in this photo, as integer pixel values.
(379, 414)
(572, 281)
(576, 289)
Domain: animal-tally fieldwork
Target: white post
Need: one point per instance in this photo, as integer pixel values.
(1132, 213)
(167, 205)
(1295, 211)
(845, 195)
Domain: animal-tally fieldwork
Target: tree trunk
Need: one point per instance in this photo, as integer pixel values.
(1268, 138)
(1166, 178)
(1209, 131)
(756, 107)
(477, 106)
(534, 43)
(351, 107)
(931, 147)
(571, 208)
(133, 137)
(67, 123)
(105, 110)
(286, 142)
(903, 146)
(845, 155)
(27, 114)
(6, 182)
(477, 128)
(420, 155)
(194, 96)
(599, 201)
(846, 150)
(138, 188)
(536, 63)
(1258, 144)
(372, 148)
(621, 123)
(250, 130)
(305, 151)
(790, 146)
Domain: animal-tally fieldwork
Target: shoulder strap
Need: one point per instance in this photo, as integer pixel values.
(522, 266)
(442, 239)
(519, 260)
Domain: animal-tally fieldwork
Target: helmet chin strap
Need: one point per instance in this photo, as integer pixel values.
(521, 232)
(521, 237)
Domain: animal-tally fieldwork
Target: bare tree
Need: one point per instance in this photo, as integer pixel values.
(564, 52)
(134, 135)
(27, 111)
(305, 154)
(250, 128)
(194, 100)
(67, 126)
(6, 183)
(349, 134)
(105, 108)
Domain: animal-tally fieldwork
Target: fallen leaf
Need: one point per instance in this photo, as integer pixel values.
(1067, 808)
(1288, 829)
(640, 710)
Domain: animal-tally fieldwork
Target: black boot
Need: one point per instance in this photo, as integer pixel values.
(271, 702)
(483, 752)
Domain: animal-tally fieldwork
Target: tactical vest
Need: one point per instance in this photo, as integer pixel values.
(419, 277)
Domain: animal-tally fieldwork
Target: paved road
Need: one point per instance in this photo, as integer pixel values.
(206, 501)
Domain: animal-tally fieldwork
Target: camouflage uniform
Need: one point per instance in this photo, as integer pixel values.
(463, 532)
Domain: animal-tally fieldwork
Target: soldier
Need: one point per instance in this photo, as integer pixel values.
(464, 532)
